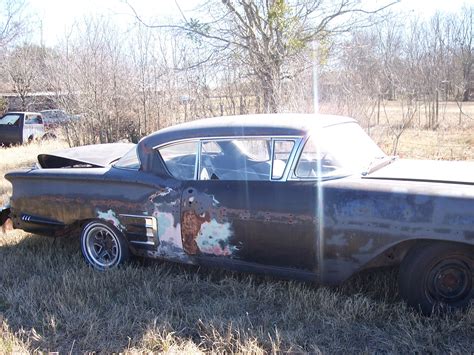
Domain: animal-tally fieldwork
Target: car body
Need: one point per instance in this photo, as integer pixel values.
(20, 127)
(54, 118)
(299, 196)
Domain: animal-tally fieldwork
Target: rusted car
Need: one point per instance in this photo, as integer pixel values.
(299, 196)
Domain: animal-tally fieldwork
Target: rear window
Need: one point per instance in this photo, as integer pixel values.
(129, 160)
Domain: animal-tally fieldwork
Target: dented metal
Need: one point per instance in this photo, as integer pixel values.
(324, 230)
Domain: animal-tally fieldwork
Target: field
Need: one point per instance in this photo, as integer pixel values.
(50, 301)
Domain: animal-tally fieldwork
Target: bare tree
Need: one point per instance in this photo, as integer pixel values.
(12, 21)
(264, 35)
(23, 66)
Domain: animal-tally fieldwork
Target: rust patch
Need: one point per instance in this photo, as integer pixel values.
(190, 227)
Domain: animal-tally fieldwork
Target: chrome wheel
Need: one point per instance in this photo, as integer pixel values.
(101, 246)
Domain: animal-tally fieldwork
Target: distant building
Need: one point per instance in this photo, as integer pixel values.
(35, 101)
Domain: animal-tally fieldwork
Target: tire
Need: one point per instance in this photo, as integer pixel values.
(438, 277)
(48, 136)
(103, 246)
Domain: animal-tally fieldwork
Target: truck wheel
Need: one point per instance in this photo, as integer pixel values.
(48, 136)
(438, 276)
(103, 246)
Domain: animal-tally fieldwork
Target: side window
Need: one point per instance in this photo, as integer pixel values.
(33, 119)
(281, 153)
(180, 159)
(235, 159)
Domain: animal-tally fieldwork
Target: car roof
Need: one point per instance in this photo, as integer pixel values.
(287, 124)
(23, 113)
(273, 125)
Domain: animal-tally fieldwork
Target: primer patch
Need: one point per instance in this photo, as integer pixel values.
(214, 237)
(111, 217)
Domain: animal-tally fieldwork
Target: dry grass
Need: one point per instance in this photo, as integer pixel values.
(50, 301)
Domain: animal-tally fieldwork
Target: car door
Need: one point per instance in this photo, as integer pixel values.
(240, 208)
(33, 127)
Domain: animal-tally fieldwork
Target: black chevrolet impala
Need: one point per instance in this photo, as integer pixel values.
(299, 196)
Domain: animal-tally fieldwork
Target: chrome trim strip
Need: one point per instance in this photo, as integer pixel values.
(134, 215)
(272, 158)
(143, 243)
(205, 139)
(197, 165)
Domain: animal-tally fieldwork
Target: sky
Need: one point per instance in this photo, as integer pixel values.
(55, 17)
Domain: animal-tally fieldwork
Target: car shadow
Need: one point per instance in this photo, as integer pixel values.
(52, 301)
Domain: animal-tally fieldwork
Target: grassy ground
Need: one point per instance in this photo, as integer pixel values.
(50, 301)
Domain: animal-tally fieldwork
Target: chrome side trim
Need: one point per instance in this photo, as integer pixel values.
(151, 227)
(134, 215)
(142, 243)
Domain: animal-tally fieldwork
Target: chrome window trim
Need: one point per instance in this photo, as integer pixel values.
(211, 138)
(272, 159)
(179, 141)
(197, 166)
(296, 141)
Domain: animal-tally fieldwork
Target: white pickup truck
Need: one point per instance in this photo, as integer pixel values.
(20, 127)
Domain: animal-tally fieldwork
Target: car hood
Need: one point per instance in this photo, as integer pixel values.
(97, 155)
(457, 172)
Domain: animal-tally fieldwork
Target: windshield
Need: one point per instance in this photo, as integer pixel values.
(339, 150)
(10, 119)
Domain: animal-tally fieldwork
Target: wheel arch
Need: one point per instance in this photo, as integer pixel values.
(395, 254)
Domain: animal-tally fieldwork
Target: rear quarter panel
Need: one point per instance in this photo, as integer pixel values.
(71, 195)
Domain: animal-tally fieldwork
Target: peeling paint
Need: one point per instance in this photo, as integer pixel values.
(111, 217)
(213, 238)
(169, 234)
(161, 193)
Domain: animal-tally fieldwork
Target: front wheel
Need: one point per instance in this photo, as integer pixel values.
(103, 246)
(438, 276)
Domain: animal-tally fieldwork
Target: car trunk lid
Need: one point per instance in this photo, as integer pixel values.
(97, 155)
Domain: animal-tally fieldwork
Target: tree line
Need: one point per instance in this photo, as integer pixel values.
(242, 56)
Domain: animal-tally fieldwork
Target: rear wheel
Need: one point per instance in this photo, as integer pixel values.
(438, 276)
(103, 246)
(48, 136)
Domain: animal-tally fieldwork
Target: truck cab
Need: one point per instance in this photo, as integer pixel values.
(20, 127)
